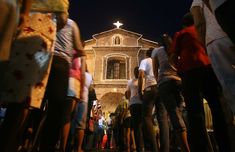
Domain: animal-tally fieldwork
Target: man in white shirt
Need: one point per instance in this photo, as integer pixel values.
(149, 97)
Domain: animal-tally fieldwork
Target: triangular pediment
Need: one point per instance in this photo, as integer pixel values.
(116, 31)
(119, 37)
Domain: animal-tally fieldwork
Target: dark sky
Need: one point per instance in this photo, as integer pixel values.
(148, 17)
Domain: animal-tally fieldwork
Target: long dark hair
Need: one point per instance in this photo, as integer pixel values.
(166, 42)
(136, 71)
(187, 20)
(149, 52)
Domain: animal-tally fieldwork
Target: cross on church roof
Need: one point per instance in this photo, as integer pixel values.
(117, 24)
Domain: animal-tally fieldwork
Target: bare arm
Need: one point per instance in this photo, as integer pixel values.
(24, 12)
(207, 2)
(175, 50)
(77, 43)
(199, 22)
(140, 82)
(155, 67)
(26, 6)
(128, 92)
(83, 76)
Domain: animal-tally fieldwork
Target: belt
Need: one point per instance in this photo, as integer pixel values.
(149, 88)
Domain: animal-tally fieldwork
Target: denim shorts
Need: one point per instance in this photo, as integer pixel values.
(79, 120)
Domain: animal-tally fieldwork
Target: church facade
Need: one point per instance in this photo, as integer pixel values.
(111, 58)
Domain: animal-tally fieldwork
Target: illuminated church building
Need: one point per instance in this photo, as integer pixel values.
(111, 57)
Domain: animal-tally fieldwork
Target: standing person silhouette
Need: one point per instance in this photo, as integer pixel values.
(150, 99)
(198, 82)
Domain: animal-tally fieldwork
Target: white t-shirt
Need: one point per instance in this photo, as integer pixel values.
(132, 86)
(88, 82)
(213, 29)
(101, 121)
(216, 3)
(147, 67)
(109, 121)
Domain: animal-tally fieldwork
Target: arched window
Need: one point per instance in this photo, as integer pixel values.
(116, 68)
(117, 40)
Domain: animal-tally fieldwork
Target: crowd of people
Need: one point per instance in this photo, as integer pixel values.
(48, 102)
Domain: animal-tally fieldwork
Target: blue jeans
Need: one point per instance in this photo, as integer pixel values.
(170, 95)
(150, 99)
(80, 116)
(222, 58)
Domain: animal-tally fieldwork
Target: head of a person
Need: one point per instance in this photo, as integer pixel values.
(61, 19)
(187, 20)
(149, 52)
(112, 115)
(136, 72)
(166, 41)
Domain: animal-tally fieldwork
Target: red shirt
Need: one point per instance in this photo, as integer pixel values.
(191, 53)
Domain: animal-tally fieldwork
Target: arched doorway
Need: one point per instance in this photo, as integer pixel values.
(110, 101)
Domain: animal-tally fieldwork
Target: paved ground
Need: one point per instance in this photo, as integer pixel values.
(101, 150)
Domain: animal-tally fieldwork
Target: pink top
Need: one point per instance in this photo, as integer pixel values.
(75, 69)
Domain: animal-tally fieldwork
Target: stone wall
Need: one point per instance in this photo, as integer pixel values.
(100, 49)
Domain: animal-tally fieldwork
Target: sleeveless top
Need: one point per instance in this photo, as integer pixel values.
(64, 41)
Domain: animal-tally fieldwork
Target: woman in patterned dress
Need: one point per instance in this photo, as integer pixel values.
(27, 73)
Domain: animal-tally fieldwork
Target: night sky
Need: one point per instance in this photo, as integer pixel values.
(148, 17)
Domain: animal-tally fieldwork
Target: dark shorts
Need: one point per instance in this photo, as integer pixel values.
(127, 122)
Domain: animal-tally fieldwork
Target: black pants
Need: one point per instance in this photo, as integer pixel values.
(197, 84)
(12, 127)
(56, 93)
(151, 99)
(136, 121)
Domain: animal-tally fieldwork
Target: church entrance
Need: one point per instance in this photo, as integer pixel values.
(110, 101)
